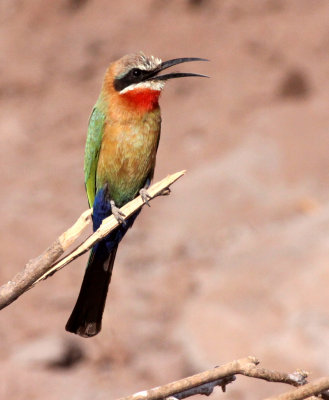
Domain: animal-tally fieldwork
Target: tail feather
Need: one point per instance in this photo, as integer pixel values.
(86, 317)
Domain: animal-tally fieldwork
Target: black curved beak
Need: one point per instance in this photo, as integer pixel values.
(166, 64)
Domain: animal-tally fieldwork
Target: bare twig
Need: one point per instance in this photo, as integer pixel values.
(304, 392)
(39, 265)
(110, 223)
(296, 378)
(206, 381)
(246, 366)
(33, 269)
(42, 266)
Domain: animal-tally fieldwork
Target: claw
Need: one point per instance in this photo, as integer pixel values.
(145, 196)
(118, 214)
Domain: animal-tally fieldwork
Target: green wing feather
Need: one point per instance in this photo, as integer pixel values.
(93, 145)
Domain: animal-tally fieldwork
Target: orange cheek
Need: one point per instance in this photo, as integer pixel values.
(142, 99)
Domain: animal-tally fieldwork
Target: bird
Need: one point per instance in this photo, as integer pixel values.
(120, 153)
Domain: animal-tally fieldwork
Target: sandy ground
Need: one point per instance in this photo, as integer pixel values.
(235, 261)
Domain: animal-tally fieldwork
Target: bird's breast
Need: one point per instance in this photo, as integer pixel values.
(127, 156)
(143, 100)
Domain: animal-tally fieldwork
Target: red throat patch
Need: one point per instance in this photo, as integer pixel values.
(143, 99)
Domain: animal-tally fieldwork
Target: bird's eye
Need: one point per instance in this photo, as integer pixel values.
(136, 72)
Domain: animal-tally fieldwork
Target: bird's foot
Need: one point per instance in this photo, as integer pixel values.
(117, 213)
(145, 196)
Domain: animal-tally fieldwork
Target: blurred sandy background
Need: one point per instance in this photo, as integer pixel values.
(235, 261)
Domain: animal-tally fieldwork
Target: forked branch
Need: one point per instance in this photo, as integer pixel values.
(44, 265)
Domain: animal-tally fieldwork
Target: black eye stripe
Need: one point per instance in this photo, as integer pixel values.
(135, 75)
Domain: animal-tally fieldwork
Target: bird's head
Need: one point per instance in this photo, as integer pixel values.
(137, 78)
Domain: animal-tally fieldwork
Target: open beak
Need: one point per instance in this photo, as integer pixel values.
(166, 64)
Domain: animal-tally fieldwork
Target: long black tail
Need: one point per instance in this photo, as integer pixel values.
(86, 317)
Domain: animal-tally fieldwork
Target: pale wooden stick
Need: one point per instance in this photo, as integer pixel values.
(110, 223)
(36, 267)
(42, 266)
(71, 235)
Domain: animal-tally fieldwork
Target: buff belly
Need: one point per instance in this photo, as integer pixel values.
(127, 158)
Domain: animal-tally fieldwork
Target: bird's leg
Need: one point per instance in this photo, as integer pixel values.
(144, 193)
(145, 196)
(117, 213)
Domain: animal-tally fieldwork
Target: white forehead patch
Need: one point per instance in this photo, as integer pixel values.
(147, 63)
(151, 85)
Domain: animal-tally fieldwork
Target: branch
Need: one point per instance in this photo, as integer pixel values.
(35, 268)
(304, 392)
(205, 382)
(43, 266)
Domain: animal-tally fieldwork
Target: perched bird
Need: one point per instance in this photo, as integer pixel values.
(122, 142)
